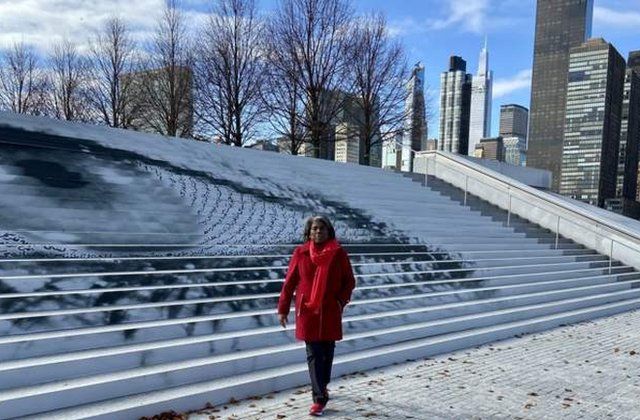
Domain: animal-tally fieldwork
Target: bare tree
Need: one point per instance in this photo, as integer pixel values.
(380, 72)
(112, 56)
(162, 87)
(284, 99)
(68, 79)
(229, 72)
(312, 42)
(22, 83)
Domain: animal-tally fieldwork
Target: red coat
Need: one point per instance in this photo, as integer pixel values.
(327, 325)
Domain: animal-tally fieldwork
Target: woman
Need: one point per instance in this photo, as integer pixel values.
(321, 276)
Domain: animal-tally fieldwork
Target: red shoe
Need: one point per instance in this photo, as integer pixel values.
(316, 410)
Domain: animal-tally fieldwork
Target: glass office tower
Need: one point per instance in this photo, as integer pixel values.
(593, 120)
(455, 107)
(560, 25)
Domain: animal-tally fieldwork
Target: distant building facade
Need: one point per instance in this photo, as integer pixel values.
(481, 101)
(490, 148)
(633, 63)
(347, 143)
(627, 182)
(513, 130)
(593, 119)
(266, 145)
(415, 125)
(455, 104)
(560, 26)
(514, 121)
(150, 103)
(392, 151)
(515, 150)
(429, 144)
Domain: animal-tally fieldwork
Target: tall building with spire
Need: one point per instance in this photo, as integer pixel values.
(560, 26)
(481, 92)
(455, 104)
(415, 125)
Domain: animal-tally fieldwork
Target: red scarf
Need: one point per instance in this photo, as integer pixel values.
(322, 258)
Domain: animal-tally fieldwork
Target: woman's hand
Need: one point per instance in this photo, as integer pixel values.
(283, 320)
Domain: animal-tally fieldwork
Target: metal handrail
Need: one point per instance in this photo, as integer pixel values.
(538, 194)
(515, 185)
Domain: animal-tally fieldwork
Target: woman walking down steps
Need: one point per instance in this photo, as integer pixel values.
(322, 278)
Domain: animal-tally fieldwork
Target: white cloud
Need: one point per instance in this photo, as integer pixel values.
(43, 22)
(476, 16)
(503, 87)
(621, 19)
(467, 14)
(405, 26)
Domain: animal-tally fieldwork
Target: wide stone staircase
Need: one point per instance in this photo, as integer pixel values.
(92, 328)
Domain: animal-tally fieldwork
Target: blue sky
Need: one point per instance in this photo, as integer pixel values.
(431, 31)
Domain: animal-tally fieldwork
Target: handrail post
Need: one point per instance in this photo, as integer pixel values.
(466, 187)
(426, 169)
(610, 256)
(509, 212)
(557, 231)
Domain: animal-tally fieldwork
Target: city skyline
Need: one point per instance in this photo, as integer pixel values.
(431, 30)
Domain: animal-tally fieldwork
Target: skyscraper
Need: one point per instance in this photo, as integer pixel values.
(481, 92)
(455, 103)
(592, 129)
(634, 63)
(347, 148)
(514, 121)
(560, 25)
(627, 182)
(634, 60)
(415, 126)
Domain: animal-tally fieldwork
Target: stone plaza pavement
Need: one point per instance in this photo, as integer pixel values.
(585, 371)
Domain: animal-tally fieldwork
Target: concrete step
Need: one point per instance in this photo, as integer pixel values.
(155, 249)
(188, 374)
(422, 322)
(107, 240)
(27, 283)
(13, 267)
(518, 246)
(373, 299)
(65, 337)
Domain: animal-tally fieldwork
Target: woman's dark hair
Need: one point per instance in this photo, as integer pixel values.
(306, 235)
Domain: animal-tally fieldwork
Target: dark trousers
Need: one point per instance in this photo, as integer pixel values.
(320, 360)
